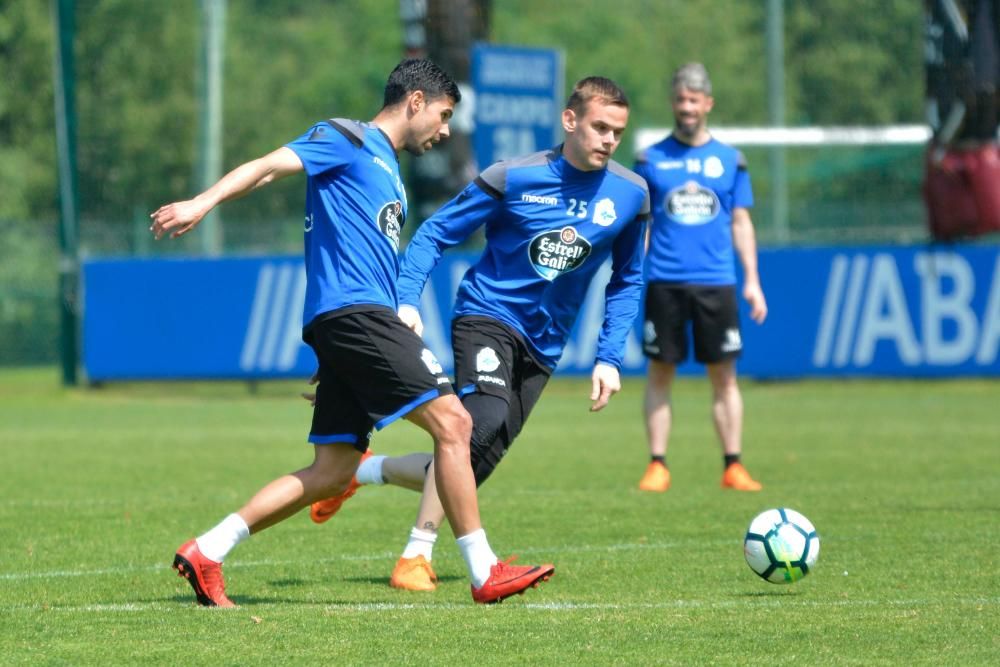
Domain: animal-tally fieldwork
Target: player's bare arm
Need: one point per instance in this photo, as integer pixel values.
(181, 217)
(745, 243)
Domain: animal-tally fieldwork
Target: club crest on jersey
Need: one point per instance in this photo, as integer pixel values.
(604, 212)
(557, 252)
(487, 360)
(713, 167)
(433, 365)
(390, 220)
(691, 204)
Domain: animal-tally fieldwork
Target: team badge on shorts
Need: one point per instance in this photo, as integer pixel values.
(733, 343)
(487, 360)
(649, 338)
(433, 365)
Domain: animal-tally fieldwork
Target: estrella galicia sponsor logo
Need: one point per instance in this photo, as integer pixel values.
(557, 252)
(691, 204)
(390, 220)
(604, 212)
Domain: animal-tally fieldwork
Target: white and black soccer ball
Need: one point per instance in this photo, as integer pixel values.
(781, 545)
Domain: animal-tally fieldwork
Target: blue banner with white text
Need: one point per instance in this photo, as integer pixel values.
(893, 311)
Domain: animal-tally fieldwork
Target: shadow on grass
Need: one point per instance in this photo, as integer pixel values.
(778, 592)
(384, 581)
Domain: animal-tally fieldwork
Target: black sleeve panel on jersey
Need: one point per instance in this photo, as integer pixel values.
(493, 180)
(354, 131)
(741, 160)
(624, 172)
(487, 188)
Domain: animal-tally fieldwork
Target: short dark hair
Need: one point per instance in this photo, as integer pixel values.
(419, 74)
(595, 86)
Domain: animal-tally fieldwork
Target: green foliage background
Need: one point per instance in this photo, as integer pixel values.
(288, 64)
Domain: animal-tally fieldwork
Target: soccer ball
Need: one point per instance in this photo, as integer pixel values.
(781, 545)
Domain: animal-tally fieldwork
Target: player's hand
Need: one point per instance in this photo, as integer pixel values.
(755, 297)
(605, 382)
(176, 219)
(411, 318)
(311, 396)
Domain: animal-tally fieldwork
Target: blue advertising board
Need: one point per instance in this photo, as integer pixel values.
(518, 94)
(843, 312)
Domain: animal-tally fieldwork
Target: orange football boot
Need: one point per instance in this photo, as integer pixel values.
(656, 478)
(736, 477)
(413, 574)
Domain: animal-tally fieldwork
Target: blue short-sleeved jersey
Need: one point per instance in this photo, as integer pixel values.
(355, 208)
(549, 227)
(694, 190)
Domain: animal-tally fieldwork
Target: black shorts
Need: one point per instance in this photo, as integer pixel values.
(492, 358)
(372, 370)
(712, 312)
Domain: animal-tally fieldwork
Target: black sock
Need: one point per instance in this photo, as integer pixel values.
(730, 459)
(659, 459)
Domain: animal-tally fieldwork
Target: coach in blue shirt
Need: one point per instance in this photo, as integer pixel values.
(701, 196)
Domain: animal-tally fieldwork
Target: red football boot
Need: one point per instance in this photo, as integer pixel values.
(204, 575)
(506, 580)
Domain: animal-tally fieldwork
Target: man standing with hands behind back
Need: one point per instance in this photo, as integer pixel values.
(700, 193)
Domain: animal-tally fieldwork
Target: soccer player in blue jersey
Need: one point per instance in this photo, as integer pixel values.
(551, 220)
(701, 198)
(373, 369)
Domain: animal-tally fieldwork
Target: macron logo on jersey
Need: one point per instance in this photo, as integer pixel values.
(538, 199)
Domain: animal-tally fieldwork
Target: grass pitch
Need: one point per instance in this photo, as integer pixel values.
(901, 479)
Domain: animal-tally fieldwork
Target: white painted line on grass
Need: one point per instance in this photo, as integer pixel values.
(385, 555)
(775, 601)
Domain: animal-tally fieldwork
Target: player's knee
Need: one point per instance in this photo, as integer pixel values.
(329, 480)
(489, 417)
(659, 373)
(455, 426)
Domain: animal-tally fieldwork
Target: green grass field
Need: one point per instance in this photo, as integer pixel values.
(902, 480)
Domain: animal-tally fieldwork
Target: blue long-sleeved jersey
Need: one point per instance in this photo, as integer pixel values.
(549, 227)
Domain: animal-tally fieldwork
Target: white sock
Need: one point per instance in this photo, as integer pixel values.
(479, 558)
(370, 470)
(218, 542)
(421, 544)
